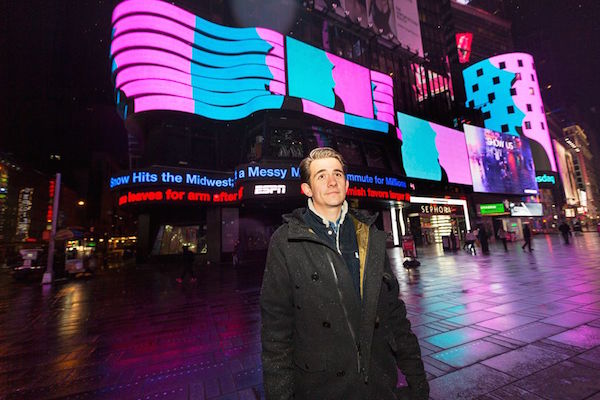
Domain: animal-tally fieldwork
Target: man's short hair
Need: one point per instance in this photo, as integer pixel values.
(317, 154)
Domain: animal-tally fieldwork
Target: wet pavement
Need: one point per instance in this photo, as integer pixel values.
(514, 325)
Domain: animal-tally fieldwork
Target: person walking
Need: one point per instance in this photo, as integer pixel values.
(565, 231)
(502, 236)
(187, 259)
(483, 240)
(470, 238)
(527, 237)
(333, 326)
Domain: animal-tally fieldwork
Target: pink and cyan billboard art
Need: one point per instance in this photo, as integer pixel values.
(505, 88)
(165, 58)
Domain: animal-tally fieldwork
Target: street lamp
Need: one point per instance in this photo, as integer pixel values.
(81, 203)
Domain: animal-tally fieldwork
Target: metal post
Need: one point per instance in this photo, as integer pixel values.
(48, 275)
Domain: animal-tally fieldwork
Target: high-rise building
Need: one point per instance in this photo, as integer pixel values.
(586, 178)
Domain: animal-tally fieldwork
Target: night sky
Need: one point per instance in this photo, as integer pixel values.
(57, 93)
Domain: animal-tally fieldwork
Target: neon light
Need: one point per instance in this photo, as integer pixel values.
(463, 45)
(353, 86)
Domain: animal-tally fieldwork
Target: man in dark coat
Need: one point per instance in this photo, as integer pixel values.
(333, 326)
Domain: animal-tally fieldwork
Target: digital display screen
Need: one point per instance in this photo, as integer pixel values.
(492, 209)
(506, 90)
(429, 150)
(165, 58)
(500, 163)
(526, 210)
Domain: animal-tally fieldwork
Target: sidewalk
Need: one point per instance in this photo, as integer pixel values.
(518, 325)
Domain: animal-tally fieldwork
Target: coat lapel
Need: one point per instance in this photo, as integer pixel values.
(372, 286)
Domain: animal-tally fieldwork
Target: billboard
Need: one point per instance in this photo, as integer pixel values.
(526, 209)
(566, 169)
(430, 151)
(396, 20)
(506, 89)
(165, 58)
(500, 162)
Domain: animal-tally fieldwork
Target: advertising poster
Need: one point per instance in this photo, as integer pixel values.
(500, 163)
(396, 20)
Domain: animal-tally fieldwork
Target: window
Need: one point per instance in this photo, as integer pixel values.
(471, 104)
(527, 125)
(502, 65)
(479, 72)
(543, 126)
(532, 78)
(531, 91)
(286, 143)
(315, 139)
(504, 128)
(510, 109)
(491, 97)
(475, 87)
(542, 108)
(375, 156)
(350, 150)
(496, 80)
(486, 115)
(520, 63)
(529, 107)
(513, 91)
(518, 76)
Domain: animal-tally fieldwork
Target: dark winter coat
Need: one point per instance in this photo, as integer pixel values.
(320, 340)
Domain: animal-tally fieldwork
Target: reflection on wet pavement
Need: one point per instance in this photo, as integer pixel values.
(510, 325)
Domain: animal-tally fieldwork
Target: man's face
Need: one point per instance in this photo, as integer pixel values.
(328, 184)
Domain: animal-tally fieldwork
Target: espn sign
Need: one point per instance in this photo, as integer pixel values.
(269, 189)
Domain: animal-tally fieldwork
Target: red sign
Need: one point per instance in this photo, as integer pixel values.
(463, 44)
(176, 196)
(386, 194)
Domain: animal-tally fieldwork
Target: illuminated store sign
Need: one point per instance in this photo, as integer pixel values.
(526, 210)
(463, 45)
(165, 58)
(443, 209)
(546, 179)
(505, 88)
(492, 209)
(500, 163)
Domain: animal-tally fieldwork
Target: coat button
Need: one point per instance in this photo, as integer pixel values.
(315, 276)
(298, 307)
(306, 366)
(340, 373)
(297, 286)
(326, 324)
(330, 232)
(376, 322)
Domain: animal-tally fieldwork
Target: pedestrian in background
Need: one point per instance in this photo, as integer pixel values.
(470, 238)
(333, 326)
(527, 237)
(187, 259)
(502, 236)
(483, 240)
(565, 231)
